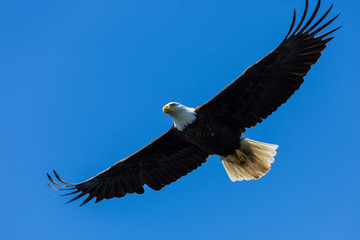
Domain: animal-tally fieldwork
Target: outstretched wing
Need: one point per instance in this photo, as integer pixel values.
(270, 82)
(158, 164)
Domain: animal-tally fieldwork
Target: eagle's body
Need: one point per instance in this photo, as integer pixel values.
(214, 137)
(243, 159)
(216, 127)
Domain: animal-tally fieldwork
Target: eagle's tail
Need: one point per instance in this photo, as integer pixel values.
(251, 161)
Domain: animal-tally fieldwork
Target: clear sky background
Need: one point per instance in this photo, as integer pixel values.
(82, 85)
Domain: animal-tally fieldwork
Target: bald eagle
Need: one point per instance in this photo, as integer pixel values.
(216, 127)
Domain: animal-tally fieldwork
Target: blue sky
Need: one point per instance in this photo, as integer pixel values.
(83, 83)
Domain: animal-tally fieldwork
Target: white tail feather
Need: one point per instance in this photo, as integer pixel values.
(251, 161)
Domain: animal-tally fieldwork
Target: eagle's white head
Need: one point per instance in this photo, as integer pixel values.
(180, 114)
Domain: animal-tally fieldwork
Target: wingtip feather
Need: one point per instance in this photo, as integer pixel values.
(61, 180)
(302, 18)
(52, 186)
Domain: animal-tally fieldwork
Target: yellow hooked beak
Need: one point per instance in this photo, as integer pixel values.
(167, 109)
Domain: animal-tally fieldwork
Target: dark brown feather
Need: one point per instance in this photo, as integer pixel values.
(270, 82)
(158, 164)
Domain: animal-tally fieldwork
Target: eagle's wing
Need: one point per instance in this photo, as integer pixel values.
(160, 163)
(267, 84)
